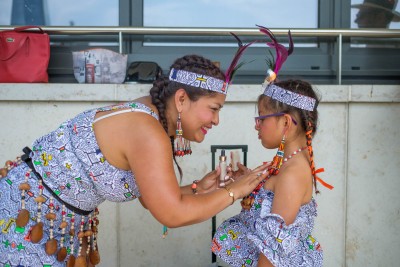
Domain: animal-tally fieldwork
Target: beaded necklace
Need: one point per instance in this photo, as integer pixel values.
(247, 202)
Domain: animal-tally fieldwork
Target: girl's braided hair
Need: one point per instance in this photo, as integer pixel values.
(308, 119)
(163, 89)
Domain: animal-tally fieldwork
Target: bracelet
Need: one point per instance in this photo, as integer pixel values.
(194, 186)
(230, 194)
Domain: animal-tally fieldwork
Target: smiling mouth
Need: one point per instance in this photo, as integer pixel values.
(204, 130)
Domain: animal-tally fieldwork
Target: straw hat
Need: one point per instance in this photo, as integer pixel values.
(386, 5)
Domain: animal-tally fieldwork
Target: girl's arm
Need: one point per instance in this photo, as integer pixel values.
(292, 188)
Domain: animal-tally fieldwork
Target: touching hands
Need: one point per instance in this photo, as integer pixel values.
(241, 182)
(211, 180)
(245, 179)
(241, 171)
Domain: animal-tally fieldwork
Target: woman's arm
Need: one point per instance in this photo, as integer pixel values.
(207, 184)
(149, 153)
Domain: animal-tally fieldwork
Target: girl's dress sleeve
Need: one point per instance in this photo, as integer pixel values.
(278, 241)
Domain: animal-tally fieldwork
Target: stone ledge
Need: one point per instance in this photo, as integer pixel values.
(237, 93)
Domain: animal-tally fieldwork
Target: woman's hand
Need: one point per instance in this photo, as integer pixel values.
(245, 184)
(209, 182)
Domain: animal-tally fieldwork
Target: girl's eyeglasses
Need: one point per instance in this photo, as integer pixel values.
(259, 119)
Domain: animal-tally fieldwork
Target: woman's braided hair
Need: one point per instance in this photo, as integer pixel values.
(163, 89)
(308, 119)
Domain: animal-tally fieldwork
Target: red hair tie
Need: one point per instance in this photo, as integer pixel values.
(320, 180)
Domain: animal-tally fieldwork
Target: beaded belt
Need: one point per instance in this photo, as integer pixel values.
(28, 160)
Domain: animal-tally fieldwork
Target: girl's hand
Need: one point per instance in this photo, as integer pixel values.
(241, 171)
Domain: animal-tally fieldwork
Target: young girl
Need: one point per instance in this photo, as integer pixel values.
(275, 225)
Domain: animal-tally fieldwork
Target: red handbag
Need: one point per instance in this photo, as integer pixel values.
(24, 55)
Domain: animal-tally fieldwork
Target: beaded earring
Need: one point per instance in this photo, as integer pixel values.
(182, 146)
(278, 159)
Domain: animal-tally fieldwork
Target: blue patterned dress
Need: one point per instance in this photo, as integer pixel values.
(72, 166)
(240, 239)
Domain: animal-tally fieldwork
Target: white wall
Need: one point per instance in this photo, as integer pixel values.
(357, 143)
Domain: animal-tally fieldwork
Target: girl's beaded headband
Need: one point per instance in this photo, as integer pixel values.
(289, 98)
(208, 82)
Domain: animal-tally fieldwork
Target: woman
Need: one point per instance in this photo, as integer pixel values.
(50, 195)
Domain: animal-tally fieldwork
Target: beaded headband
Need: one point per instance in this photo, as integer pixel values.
(198, 80)
(289, 98)
(208, 82)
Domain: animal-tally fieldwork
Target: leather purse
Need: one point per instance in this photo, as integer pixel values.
(24, 55)
(143, 72)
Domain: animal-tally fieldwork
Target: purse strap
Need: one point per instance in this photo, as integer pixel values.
(23, 28)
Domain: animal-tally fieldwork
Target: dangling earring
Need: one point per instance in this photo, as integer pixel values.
(182, 146)
(278, 159)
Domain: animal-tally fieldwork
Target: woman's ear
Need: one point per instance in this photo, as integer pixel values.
(180, 98)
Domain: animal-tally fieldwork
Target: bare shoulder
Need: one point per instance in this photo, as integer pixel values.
(295, 179)
(297, 172)
(144, 135)
(122, 136)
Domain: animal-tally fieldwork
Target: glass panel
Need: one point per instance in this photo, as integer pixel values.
(5, 12)
(59, 12)
(231, 13)
(375, 14)
(380, 14)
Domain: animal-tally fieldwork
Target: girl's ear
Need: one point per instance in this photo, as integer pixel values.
(287, 121)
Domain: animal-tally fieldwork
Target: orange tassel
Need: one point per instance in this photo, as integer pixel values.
(320, 180)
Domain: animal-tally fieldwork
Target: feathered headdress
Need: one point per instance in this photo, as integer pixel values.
(234, 66)
(281, 54)
(274, 91)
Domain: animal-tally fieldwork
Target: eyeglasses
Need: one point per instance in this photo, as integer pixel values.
(259, 119)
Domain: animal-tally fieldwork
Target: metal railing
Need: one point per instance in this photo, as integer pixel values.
(170, 31)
